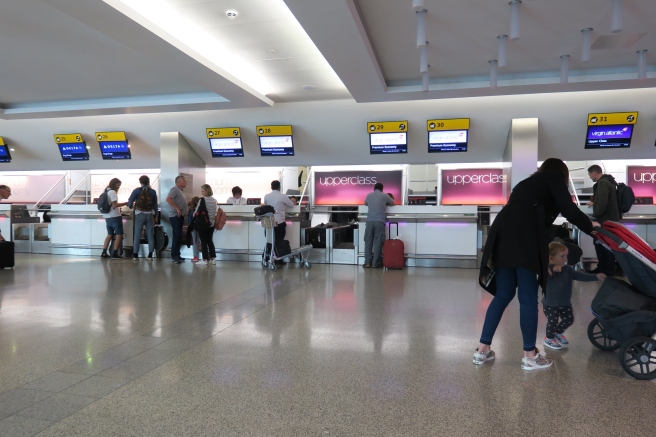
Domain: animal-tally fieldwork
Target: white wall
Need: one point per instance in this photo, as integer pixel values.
(334, 132)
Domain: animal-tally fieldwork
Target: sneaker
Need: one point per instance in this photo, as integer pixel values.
(150, 256)
(176, 261)
(104, 255)
(135, 257)
(482, 357)
(213, 261)
(195, 259)
(202, 262)
(366, 266)
(537, 362)
(552, 343)
(562, 340)
(116, 256)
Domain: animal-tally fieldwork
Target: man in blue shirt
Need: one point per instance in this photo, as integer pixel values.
(144, 207)
(374, 234)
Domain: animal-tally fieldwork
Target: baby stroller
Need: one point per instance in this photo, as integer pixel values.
(625, 314)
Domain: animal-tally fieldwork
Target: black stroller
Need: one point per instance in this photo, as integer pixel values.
(625, 314)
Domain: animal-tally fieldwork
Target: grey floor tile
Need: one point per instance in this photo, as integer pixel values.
(17, 399)
(196, 334)
(92, 365)
(177, 344)
(56, 381)
(96, 386)
(18, 426)
(56, 407)
(129, 369)
(156, 356)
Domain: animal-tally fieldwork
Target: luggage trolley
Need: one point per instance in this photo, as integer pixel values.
(268, 223)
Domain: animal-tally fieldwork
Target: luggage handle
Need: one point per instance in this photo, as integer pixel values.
(390, 229)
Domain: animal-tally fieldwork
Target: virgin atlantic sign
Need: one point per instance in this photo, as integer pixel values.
(473, 186)
(351, 187)
(642, 180)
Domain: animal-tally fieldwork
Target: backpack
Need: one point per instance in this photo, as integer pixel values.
(103, 202)
(625, 197)
(144, 202)
(220, 220)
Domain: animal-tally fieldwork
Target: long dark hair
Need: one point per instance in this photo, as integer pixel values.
(113, 184)
(555, 165)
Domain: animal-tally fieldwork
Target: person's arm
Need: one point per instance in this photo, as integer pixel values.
(154, 196)
(1, 237)
(132, 199)
(567, 207)
(173, 205)
(390, 201)
(584, 277)
(602, 196)
(288, 202)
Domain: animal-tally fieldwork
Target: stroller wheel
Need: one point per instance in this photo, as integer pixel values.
(638, 357)
(599, 337)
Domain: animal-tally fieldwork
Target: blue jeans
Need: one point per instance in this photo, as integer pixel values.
(510, 280)
(139, 221)
(176, 237)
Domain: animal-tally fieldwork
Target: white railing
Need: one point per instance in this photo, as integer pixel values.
(74, 190)
(41, 201)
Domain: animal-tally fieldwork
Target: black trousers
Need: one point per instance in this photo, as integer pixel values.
(280, 231)
(207, 244)
(558, 319)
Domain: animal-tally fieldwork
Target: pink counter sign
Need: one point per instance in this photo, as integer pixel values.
(474, 186)
(642, 180)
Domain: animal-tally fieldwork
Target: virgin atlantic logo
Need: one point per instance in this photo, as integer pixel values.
(351, 180)
(476, 179)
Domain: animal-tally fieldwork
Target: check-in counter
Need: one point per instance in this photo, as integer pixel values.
(5, 221)
(433, 236)
(81, 230)
(243, 238)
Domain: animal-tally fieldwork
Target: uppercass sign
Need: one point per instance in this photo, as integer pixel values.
(463, 179)
(352, 180)
(644, 177)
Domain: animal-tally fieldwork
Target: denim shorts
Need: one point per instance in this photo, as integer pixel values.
(114, 225)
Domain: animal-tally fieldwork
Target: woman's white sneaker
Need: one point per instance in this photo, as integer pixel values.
(536, 362)
(482, 357)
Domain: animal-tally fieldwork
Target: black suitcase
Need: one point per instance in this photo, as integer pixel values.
(6, 254)
(264, 209)
(282, 248)
(161, 239)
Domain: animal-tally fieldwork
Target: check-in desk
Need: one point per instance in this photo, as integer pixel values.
(81, 230)
(5, 221)
(243, 238)
(433, 236)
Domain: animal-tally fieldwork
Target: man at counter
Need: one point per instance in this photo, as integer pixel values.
(178, 211)
(113, 220)
(604, 208)
(278, 200)
(143, 201)
(374, 234)
(236, 198)
(5, 192)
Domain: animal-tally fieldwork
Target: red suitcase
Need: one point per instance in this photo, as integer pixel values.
(393, 251)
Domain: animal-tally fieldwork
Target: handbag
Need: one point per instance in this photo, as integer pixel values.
(201, 221)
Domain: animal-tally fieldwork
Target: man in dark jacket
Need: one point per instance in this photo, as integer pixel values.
(145, 208)
(604, 208)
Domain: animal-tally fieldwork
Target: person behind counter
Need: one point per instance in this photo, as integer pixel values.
(516, 255)
(177, 215)
(236, 198)
(294, 200)
(143, 201)
(113, 220)
(374, 234)
(278, 200)
(5, 192)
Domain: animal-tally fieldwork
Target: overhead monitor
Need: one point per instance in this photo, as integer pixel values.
(225, 142)
(113, 145)
(448, 135)
(388, 137)
(5, 156)
(275, 140)
(610, 130)
(73, 151)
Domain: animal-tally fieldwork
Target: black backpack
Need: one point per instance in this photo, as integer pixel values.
(103, 202)
(625, 197)
(144, 202)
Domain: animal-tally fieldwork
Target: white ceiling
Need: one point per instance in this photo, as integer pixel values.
(81, 57)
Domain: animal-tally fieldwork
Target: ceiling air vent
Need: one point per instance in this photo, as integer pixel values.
(612, 42)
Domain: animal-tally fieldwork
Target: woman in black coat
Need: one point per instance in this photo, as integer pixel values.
(516, 255)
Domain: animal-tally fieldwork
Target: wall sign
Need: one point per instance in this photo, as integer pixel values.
(276, 140)
(5, 156)
(473, 186)
(449, 135)
(351, 187)
(113, 145)
(643, 182)
(225, 142)
(388, 137)
(610, 130)
(72, 147)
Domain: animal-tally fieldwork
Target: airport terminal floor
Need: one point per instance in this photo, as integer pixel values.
(96, 348)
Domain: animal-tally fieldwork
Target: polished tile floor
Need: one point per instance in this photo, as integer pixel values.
(100, 348)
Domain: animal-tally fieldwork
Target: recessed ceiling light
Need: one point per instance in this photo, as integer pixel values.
(309, 87)
(272, 51)
(232, 14)
(11, 149)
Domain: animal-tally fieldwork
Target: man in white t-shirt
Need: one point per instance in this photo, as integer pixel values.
(236, 198)
(113, 219)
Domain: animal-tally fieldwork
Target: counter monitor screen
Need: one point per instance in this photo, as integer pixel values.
(5, 156)
(73, 151)
(226, 147)
(613, 136)
(447, 141)
(277, 146)
(389, 142)
(115, 150)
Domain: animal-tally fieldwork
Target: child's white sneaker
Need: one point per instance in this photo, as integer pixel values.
(536, 362)
(562, 340)
(552, 343)
(482, 357)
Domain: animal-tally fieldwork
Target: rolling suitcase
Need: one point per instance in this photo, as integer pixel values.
(161, 239)
(6, 254)
(393, 251)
